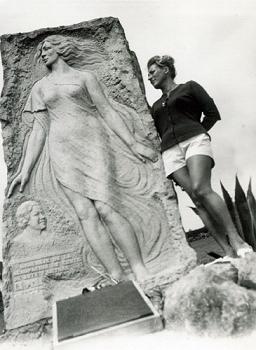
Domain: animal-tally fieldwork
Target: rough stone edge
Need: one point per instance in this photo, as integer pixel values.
(167, 191)
(86, 25)
(36, 329)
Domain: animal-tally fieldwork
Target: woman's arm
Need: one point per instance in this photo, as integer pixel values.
(106, 110)
(211, 113)
(34, 147)
(113, 119)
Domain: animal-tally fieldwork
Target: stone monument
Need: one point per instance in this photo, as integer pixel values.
(87, 200)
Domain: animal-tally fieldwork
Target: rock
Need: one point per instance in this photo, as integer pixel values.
(246, 270)
(223, 272)
(209, 302)
(26, 334)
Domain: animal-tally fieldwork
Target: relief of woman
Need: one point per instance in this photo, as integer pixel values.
(74, 119)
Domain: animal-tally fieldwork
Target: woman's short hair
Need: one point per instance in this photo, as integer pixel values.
(163, 61)
(23, 213)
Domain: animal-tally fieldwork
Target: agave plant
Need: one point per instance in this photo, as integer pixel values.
(243, 212)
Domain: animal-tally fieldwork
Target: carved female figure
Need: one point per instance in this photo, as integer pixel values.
(75, 121)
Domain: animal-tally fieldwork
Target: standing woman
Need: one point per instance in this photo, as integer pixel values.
(186, 148)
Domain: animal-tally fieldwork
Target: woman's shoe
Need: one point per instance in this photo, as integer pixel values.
(242, 252)
(225, 259)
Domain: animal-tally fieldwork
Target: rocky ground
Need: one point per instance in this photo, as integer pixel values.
(203, 245)
(217, 300)
(214, 306)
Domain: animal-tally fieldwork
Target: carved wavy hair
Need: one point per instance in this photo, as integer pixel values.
(78, 53)
(23, 213)
(163, 61)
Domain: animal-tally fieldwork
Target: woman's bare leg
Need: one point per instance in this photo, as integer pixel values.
(199, 168)
(181, 177)
(96, 233)
(125, 238)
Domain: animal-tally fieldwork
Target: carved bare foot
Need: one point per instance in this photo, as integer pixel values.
(110, 281)
(141, 274)
(145, 151)
(156, 297)
(104, 283)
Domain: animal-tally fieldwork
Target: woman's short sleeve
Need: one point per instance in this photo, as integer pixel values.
(35, 101)
(35, 108)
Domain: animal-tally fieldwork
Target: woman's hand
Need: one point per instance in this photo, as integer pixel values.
(30, 156)
(141, 151)
(21, 179)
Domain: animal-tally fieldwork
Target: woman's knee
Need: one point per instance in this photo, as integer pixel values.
(200, 192)
(84, 209)
(105, 211)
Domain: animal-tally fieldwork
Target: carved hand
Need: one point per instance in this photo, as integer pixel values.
(21, 179)
(142, 152)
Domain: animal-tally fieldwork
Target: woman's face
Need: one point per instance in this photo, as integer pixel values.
(49, 54)
(157, 75)
(37, 219)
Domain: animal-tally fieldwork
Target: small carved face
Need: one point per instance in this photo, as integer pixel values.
(37, 219)
(157, 75)
(49, 54)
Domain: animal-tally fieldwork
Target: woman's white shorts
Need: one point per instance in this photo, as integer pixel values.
(175, 157)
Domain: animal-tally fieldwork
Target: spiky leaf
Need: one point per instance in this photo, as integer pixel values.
(238, 222)
(244, 214)
(232, 210)
(252, 207)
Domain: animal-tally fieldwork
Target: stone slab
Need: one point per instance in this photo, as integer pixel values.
(44, 265)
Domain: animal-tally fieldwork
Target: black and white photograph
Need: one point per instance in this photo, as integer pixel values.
(127, 174)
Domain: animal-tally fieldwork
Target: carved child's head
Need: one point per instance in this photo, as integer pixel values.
(30, 214)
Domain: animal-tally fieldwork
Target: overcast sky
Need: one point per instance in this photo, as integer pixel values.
(213, 42)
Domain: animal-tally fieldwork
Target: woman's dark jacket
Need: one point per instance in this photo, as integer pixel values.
(179, 116)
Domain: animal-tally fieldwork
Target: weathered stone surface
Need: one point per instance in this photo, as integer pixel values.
(246, 270)
(223, 272)
(208, 301)
(83, 158)
(29, 336)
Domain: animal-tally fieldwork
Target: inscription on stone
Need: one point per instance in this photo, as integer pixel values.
(28, 275)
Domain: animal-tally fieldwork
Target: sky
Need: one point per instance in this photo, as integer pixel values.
(213, 43)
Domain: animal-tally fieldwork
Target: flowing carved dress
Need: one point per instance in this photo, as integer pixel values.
(82, 153)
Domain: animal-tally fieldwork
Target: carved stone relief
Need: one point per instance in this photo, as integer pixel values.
(86, 190)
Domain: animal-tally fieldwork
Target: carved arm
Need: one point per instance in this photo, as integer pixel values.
(34, 147)
(113, 119)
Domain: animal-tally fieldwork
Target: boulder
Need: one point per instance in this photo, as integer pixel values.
(209, 301)
(246, 271)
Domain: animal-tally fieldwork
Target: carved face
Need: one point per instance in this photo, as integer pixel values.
(157, 75)
(37, 219)
(49, 54)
